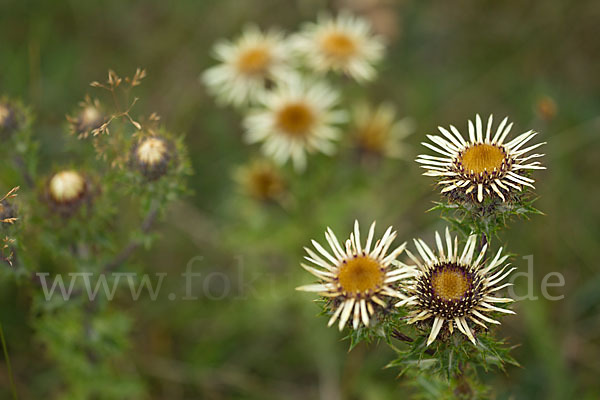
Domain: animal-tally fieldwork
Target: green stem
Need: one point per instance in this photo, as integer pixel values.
(8, 366)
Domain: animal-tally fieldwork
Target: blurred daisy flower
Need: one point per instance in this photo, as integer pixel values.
(357, 279)
(247, 65)
(483, 165)
(296, 117)
(376, 130)
(343, 44)
(452, 288)
(261, 180)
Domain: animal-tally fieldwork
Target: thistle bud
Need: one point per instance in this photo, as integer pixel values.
(9, 121)
(151, 157)
(8, 211)
(66, 191)
(90, 117)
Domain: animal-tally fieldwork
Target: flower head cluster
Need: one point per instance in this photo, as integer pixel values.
(291, 109)
(450, 289)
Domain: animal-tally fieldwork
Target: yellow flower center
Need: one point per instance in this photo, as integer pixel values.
(360, 274)
(66, 186)
(151, 151)
(450, 283)
(482, 157)
(338, 45)
(295, 119)
(254, 61)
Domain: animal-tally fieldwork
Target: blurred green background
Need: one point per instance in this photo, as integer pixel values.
(445, 62)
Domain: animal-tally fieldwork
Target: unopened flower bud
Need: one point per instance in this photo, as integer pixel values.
(151, 157)
(67, 190)
(8, 119)
(89, 118)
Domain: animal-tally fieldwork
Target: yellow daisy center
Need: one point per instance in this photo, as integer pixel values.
(360, 274)
(450, 283)
(482, 157)
(151, 151)
(295, 119)
(66, 186)
(338, 45)
(254, 61)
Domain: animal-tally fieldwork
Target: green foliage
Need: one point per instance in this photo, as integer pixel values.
(447, 358)
(489, 217)
(86, 340)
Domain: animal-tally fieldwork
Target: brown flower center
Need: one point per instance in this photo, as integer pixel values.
(450, 283)
(360, 274)
(295, 119)
(482, 157)
(338, 45)
(254, 61)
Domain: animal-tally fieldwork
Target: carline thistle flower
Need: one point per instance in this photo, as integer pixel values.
(296, 117)
(262, 180)
(345, 44)
(247, 65)
(452, 289)
(378, 132)
(483, 165)
(356, 279)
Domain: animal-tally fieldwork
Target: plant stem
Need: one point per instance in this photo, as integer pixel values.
(8, 366)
